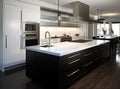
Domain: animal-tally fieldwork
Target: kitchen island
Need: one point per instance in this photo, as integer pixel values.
(113, 44)
(64, 63)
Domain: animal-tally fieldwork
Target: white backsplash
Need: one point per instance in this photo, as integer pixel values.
(60, 31)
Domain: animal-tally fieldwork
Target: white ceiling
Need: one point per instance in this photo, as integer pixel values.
(108, 7)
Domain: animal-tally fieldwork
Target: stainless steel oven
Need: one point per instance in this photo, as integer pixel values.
(31, 33)
(30, 27)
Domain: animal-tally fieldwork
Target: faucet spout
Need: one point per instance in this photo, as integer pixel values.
(47, 32)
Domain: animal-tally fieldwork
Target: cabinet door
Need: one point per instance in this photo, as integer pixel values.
(12, 25)
(31, 14)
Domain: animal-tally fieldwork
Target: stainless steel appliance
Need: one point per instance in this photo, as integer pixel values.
(31, 33)
(30, 26)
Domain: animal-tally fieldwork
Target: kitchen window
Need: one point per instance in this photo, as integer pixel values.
(115, 27)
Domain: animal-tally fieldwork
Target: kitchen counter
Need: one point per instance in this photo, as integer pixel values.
(107, 37)
(64, 48)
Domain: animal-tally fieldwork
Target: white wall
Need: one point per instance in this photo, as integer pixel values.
(1, 34)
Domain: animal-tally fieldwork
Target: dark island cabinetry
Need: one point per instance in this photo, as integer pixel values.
(113, 44)
(59, 72)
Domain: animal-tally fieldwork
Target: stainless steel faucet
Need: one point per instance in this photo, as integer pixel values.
(47, 32)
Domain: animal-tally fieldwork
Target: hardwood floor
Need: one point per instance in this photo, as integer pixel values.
(105, 76)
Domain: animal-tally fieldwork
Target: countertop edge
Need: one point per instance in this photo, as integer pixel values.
(58, 54)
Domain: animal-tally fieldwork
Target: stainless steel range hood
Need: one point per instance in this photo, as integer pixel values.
(80, 11)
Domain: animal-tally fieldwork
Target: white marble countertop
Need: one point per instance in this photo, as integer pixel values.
(64, 48)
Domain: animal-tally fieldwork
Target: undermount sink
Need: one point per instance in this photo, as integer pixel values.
(81, 41)
(46, 46)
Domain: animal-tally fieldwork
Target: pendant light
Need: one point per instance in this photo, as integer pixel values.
(99, 15)
(59, 17)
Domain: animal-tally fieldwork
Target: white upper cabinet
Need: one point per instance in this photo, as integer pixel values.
(31, 14)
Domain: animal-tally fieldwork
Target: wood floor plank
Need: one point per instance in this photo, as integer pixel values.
(111, 80)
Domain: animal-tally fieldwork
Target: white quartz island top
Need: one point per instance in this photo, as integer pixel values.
(64, 48)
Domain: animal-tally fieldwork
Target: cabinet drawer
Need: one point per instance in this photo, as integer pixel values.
(71, 58)
(72, 73)
(102, 52)
(70, 61)
(86, 57)
(71, 77)
(103, 47)
(88, 66)
(87, 52)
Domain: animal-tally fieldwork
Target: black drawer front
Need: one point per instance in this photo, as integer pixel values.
(70, 61)
(71, 77)
(71, 57)
(87, 52)
(87, 57)
(102, 52)
(71, 65)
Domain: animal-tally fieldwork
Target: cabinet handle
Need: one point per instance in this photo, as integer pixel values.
(21, 30)
(6, 41)
(21, 42)
(88, 54)
(73, 61)
(73, 73)
(31, 21)
(88, 64)
(74, 56)
(21, 20)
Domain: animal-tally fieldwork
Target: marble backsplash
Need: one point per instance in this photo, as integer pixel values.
(60, 31)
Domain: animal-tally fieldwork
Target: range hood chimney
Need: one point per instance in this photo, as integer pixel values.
(80, 11)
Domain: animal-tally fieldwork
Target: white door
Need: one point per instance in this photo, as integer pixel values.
(13, 52)
(31, 14)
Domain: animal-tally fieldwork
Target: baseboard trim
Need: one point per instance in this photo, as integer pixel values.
(14, 68)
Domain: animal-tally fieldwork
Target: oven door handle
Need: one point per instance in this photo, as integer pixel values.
(31, 22)
(22, 42)
(5, 41)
